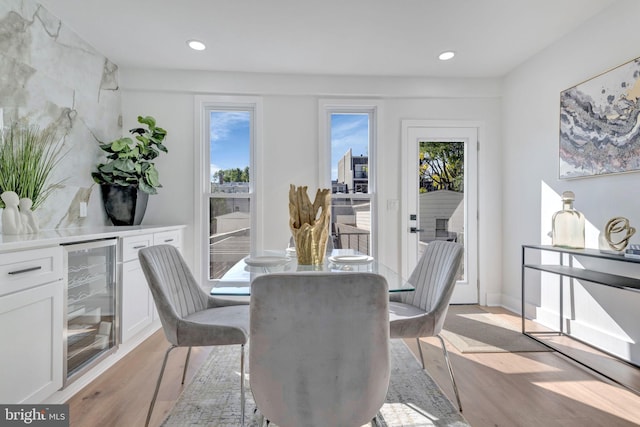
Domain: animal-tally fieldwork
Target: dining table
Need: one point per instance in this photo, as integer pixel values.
(237, 280)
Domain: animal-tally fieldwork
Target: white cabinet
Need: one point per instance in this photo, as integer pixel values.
(138, 308)
(31, 324)
(43, 292)
(137, 304)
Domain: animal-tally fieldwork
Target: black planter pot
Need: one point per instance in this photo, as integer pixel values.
(124, 205)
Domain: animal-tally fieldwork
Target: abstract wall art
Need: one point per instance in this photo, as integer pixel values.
(600, 124)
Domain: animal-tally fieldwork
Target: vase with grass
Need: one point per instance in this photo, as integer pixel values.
(28, 155)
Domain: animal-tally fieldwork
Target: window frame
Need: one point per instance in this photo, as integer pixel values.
(202, 188)
(373, 108)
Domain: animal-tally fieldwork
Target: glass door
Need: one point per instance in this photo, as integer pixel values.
(441, 198)
(91, 304)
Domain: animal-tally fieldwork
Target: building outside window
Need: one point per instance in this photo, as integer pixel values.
(350, 136)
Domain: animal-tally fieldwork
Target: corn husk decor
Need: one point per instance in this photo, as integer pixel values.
(309, 223)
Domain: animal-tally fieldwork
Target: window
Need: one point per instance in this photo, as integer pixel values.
(348, 135)
(230, 197)
(227, 174)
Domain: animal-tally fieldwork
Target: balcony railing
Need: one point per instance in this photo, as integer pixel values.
(357, 241)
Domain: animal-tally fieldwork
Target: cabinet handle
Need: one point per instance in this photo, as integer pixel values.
(168, 240)
(140, 247)
(26, 270)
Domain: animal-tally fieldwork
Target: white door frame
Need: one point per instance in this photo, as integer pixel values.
(466, 291)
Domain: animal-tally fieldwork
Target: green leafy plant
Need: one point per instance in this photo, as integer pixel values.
(130, 161)
(28, 155)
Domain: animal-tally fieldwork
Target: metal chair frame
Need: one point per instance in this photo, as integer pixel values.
(184, 375)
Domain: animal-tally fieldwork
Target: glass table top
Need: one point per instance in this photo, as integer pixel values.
(237, 281)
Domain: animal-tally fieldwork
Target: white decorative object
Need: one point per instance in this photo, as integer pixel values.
(17, 216)
(29, 218)
(11, 218)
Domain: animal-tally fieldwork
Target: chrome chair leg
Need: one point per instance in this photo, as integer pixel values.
(186, 365)
(453, 380)
(420, 351)
(155, 393)
(242, 384)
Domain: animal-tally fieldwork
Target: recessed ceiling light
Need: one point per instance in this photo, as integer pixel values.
(196, 45)
(445, 56)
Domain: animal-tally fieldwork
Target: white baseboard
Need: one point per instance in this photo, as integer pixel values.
(493, 299)
(510, 303)
(607, 341)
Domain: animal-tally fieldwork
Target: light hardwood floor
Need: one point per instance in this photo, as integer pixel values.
(540, 389)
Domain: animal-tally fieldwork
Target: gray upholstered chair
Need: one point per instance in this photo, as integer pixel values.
(422, 313)
(319, 353)
(189, 316)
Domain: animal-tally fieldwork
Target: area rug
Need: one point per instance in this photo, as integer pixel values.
(213, 397)
(473, 330)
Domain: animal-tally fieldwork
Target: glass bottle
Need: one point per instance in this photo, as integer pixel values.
(568, 225)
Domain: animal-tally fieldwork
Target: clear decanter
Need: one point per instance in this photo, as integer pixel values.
(568, 225)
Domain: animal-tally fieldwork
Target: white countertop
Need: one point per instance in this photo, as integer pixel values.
(71, 235)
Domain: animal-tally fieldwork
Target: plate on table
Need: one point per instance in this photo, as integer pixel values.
(266, 261)
(350, 259)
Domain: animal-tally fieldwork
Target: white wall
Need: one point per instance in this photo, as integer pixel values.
(291, 145)
(175, 200)
(531, 186)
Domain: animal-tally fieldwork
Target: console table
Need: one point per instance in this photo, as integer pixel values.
(565, 269)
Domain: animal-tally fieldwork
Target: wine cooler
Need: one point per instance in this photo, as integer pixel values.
(91, 317)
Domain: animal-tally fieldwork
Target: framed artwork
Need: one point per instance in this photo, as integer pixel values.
(600, 124)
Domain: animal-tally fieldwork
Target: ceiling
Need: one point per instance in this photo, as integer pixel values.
(335, 37)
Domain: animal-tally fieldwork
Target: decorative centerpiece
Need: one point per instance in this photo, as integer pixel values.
(309, 223)
(129, 175)
(616, 234)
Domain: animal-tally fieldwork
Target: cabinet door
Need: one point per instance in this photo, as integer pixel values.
(31, 342)
(137, 306)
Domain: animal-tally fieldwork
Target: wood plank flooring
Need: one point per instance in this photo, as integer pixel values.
(539, 389)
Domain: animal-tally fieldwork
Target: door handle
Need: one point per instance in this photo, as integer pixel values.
(415, 230)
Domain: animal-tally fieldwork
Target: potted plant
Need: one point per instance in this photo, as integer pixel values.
(129, 175)
(28, 155)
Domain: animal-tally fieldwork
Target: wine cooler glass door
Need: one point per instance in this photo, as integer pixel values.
(91, 304)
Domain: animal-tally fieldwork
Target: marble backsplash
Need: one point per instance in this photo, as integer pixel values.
(51, 77)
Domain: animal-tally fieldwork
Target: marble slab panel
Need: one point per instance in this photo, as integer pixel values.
(51, 77)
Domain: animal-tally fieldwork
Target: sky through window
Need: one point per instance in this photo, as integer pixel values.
(348, 131)
(229, 136)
